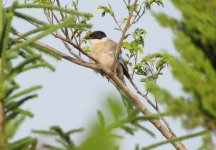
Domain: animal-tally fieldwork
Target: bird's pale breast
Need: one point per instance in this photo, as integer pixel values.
(104, 51)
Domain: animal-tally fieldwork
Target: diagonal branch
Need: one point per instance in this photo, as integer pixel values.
(65, 32)
(65, 56)
(176, 139)
(153, 105)
(136, 101)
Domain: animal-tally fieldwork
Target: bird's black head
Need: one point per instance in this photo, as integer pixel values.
(96, 35)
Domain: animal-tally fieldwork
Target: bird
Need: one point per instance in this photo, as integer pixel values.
(104, 50)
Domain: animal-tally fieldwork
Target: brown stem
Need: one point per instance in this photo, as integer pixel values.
(153, 105)
(2, 113)
(127, 26)
(2, 123)
(76, 47)
(135, 62)
(2, 116)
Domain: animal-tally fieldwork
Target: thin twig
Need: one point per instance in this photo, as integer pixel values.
(135, 20)
(153, 105)
(166, 133)
(135, 62)
(5, 3)
(62, 16)
(127, 26)
(66, 40)
(94, 66)
(65, 32)
(115, 19)
(76, 47)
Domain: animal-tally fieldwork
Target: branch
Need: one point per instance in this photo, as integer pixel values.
(63, 55)
(127, 26)
(67, 39)
(65, 32)
(175, 139)
(167, 134)
(69, 58)
(136, 101)
(76, 47)
(114, 18)
(153, 105)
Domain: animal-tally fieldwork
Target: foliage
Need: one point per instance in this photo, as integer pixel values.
(104, 133)
(29, 56)
(70, 26)
(195, 40)
(198, 25)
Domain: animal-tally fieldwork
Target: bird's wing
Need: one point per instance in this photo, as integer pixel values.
(124, 66)
(120, 60)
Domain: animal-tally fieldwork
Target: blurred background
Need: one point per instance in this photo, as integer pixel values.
(72, 94)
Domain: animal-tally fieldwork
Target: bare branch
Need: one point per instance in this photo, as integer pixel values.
(76, 47)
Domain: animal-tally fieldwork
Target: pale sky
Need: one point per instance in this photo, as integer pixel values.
(72, 95)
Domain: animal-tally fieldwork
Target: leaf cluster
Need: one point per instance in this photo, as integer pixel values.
(19, 54)
(103, 134)
(150, 67)
(195, 68)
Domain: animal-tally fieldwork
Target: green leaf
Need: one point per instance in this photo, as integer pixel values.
(128, 129)
(86, 48)
(24, 92)
(74, 131)
(105, 10)
(11, 115)
(10, 106)
(24, 143)
(12, 126)
(115, 108)
(127, 45)
(101, 118)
